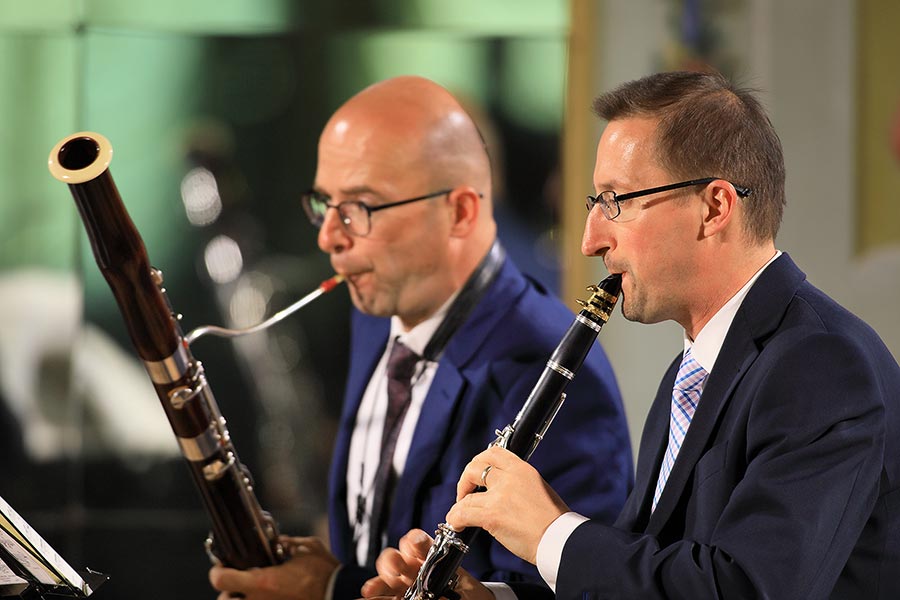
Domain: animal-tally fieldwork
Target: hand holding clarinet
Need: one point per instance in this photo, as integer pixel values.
(516, 508)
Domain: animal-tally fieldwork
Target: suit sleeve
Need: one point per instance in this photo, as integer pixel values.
(349, 581)
(783, 525)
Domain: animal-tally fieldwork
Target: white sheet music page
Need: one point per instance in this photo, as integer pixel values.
(26, 546)
(10, 583)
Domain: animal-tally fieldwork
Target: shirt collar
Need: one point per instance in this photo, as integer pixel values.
(705, 348)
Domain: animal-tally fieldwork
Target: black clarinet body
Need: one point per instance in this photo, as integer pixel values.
(438, 575)
(243, 535)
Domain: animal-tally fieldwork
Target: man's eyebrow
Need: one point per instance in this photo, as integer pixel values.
(606, 185)
(349, 191)
(359, 189)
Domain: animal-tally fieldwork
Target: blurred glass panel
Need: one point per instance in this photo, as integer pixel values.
(35, 71)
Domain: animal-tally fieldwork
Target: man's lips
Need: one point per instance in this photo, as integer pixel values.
(351, 277)
(613, 270)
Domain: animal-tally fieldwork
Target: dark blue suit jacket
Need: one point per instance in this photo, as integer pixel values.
(484, 376)
(788, 482)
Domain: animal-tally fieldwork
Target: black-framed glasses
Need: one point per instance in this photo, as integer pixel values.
(356, 216)
(610, 203)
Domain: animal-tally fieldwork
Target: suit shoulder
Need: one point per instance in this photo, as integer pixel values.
(819, 340)
(818, 313)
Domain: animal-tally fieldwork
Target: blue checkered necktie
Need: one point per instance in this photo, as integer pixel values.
(685, 397)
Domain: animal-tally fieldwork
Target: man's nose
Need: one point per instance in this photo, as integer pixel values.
(597, 238)
(333, 237)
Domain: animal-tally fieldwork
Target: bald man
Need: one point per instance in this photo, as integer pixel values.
(402, 199)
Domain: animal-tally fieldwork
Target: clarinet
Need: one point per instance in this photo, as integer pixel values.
(437, 576)
(243, 535)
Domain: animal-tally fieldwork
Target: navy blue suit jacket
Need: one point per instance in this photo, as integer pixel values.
(484, 376)
(788, 482)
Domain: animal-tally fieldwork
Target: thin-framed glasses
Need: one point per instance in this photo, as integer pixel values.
(356, 216)
(610, 202)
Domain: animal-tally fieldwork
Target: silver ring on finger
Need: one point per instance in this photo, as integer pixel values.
(484, 475)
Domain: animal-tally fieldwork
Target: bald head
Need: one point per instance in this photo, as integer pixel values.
(420, 125)
(402, 139)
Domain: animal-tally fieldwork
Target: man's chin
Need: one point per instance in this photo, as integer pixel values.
(630, 316)
(641, 316)
(633, 314)
(368, 306)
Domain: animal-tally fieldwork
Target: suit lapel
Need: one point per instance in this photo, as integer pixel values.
(757, 317)
(654, 438)
(733, 361)
(363, 360)
(428, 444)
(364, 357)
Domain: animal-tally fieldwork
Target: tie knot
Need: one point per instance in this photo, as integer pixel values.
(690, 374)
(402, 362)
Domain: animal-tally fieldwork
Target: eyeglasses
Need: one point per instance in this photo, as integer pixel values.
(611, 203)
(356, 216)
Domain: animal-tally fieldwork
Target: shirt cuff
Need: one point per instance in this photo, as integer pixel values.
(550, 548)
(501, 591)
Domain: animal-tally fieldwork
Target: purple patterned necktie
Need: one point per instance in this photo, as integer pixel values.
(685, 396)
(400, 369)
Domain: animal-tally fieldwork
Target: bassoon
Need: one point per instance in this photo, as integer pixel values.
(243, 535)
(438, 574)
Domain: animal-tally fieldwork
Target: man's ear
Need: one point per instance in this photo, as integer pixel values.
(720, 201)
(465, 205)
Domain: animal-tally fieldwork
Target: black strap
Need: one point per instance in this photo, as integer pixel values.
(468, 298)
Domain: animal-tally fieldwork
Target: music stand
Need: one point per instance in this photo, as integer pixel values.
(31, 569)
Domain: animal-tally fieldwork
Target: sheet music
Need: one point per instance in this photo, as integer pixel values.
(10, 583)
(24, 557)
(34, 553)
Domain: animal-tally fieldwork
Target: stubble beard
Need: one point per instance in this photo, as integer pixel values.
(637, 308)
(630, 311)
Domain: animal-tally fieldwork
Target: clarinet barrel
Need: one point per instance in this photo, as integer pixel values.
(243, 534)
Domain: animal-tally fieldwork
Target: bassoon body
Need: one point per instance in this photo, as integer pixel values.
(243, 534)
(438, 574)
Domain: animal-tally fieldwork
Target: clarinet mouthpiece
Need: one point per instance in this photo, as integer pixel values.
(612, 285)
